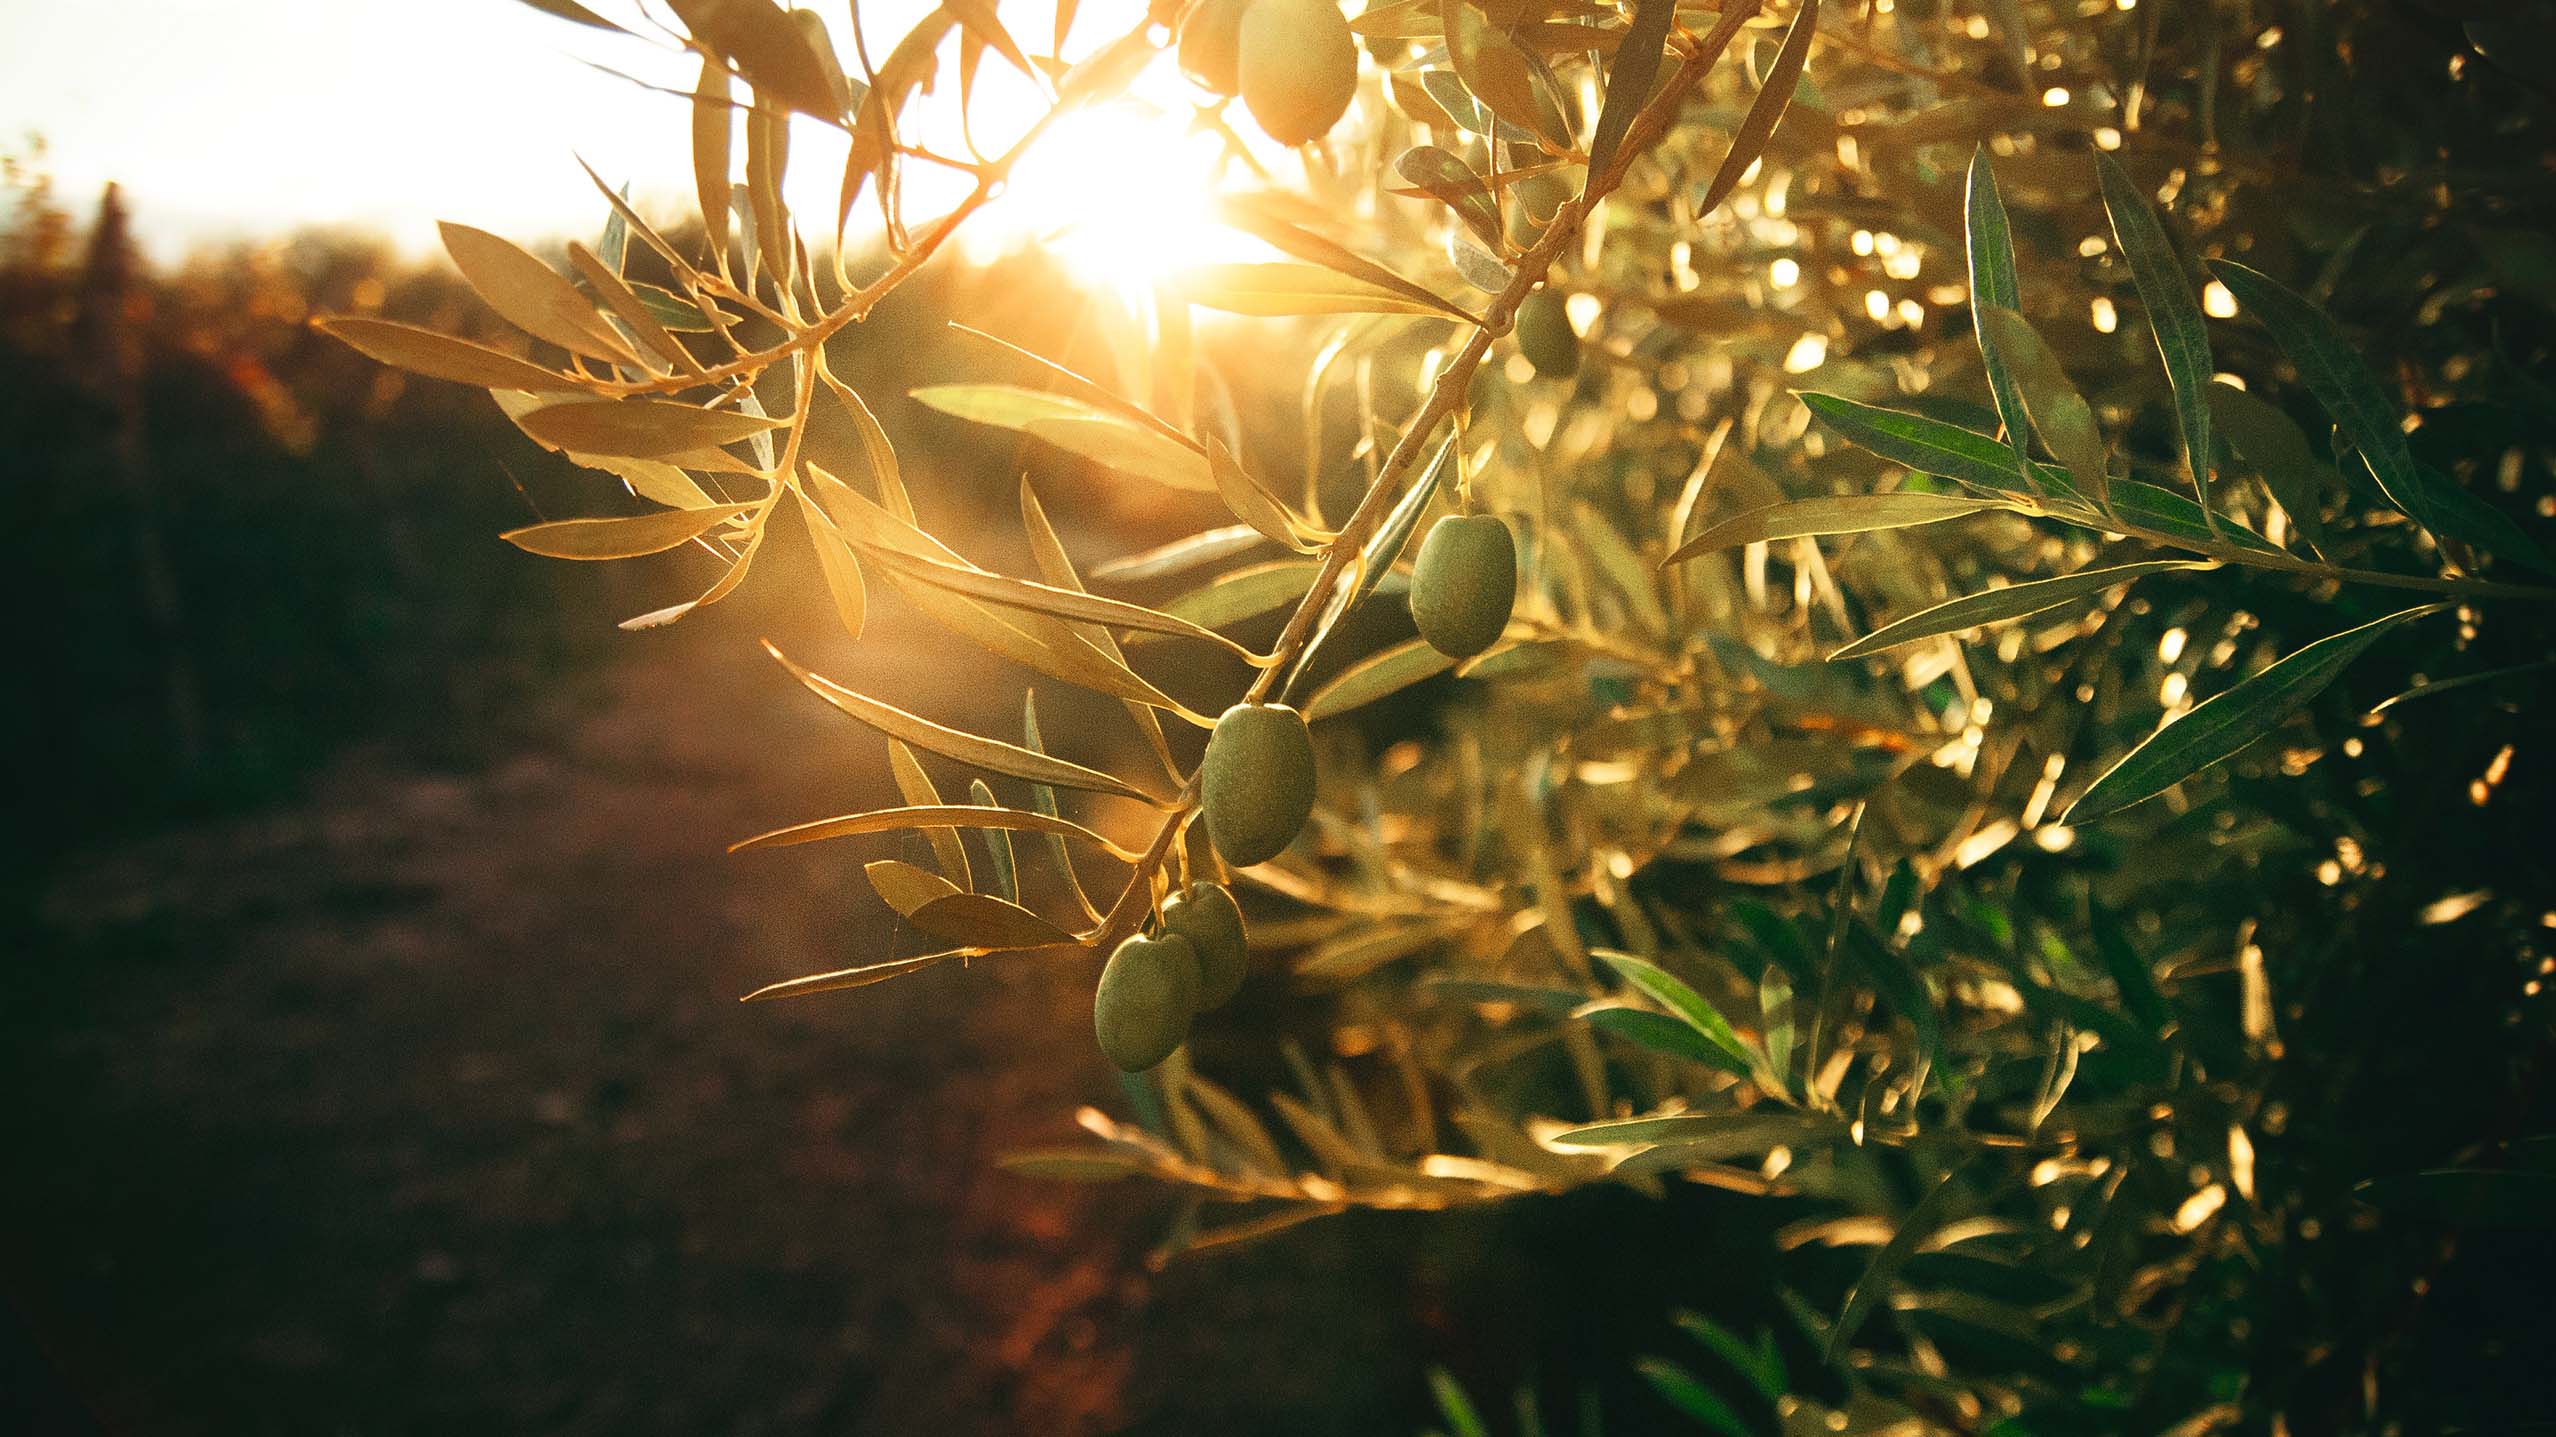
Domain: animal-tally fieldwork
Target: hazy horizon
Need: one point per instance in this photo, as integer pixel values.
(225, 121)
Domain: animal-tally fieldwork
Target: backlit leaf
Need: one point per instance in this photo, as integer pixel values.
(1748, 142)
(440, 356)
(639, 428)
(1078, 427)
(904, 887)
(1387, 671)
(531, 295)
(1992, 606)
(2227, 723)
(2174, 316)
(1630, 79)
(1833, 514)
(992, 755)
(625, 538)
(1272, 289)
(1671, 992)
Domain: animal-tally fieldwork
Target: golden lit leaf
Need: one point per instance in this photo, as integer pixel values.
(767, 163)
(1246, 593)
(904, 887)
(1049, 551)
(1286, 289)
(639, 429)
(1077, 426)
(860, 977)
(1069, 604)
(1500, 75)
(1252, 503)
(621, 538)
(917, 787)
(841, 569)
(1453, 183)
(531, 295)
(1773, 97)
(713, 143)
(1384, 672)
(988, 923)
(628, 307)
(1256, 217)
(768, 49)
(992, 755)
(440, 356)
(938, 816)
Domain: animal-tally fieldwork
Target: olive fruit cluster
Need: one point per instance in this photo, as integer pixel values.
(1293, 61)
(1464, 584)
(1152, 988)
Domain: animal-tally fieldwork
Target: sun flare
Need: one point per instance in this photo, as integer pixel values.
(1122, 196)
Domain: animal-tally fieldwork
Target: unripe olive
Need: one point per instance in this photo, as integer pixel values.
(1209, 41)
(1296, 66)
(1464, 583)
(1545, 335)
(1207, 916)
(1147, 992)
(1257, 782)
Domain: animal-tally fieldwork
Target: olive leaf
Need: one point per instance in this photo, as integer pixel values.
(2218, 729)
(2057, 412)
(904, 887)
(639, 429)
(1245, 593)
(1630, 79)
(1069, 604)
(1078, 426)
(2174, 316)
(1499, 74)
(992, 755)
(2014, 601)
(1832, 514)
(1277, 289)
(857, 977)
(1255, 216)
(440, 356)
(713, 145)
(916, 784)
(1757, 127)
(625, 538)
(1993, 283)
(2335, 373)
(531, 295)
(767, 48)
(1252, 502)
(1386, 671)
(1180, 555)
(1683, 1002)
(1883, 1271)
(1451, 182)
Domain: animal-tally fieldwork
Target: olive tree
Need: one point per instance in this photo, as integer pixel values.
(1920, 528)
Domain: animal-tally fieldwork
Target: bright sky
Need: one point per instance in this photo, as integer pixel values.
(231, 117)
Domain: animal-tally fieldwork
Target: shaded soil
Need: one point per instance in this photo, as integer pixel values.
(424, 1102)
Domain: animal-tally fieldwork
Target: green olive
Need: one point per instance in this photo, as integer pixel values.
(1464, 584)
(1208, 917)
(1142, 1008)
(1296, 66)
(1545, 335)
(1209, 41)
(1257, 782)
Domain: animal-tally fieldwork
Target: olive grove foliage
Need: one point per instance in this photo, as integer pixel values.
(1953, 472)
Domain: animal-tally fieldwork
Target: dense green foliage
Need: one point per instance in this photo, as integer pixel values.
(2012, 741)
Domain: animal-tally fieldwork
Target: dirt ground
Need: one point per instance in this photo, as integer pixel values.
(424, 1102)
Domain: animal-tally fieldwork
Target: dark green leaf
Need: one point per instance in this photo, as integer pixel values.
(2174, 316)
(1883, 1271)
(1629, 79)
(1993, 282)
(2218, 729)
(2015, 601)
(1766, 111)
(1835, 514)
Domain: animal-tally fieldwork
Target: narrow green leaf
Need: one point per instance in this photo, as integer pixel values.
(1387, 671)
(860, 976)
(1993, 282)
(2057, 412)
(1245, 593)
(1707, 1137)
(1879, 1274)
(1629, 79)
(1767, 110)
(2174, 316)
(2266, 439)
(1663, 1034)
(1671, 992)
(1681, 1390)
(2227, 723)
(1453, 1405)
(1834, 514)
(1992, 606)
(625, 538)
(1761, 1365)
(998, 842)
(990, 754)
(1928, 446)
(2335, 373)
(931, 818)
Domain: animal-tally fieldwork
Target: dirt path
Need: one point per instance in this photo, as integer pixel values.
(425, 1103)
